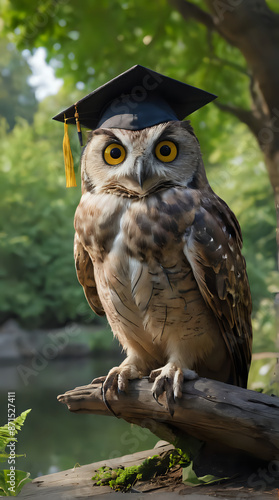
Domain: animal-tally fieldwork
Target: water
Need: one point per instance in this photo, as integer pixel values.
(53, 438)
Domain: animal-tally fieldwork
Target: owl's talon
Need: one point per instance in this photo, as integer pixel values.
(104, 391)
(111, 382)
(99, 380)
(170, 395)
(158, 387)
(168, 379)
(164, 384)
(156, 399)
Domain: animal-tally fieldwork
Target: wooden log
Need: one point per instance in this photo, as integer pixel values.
(265, 355)
(211, 411)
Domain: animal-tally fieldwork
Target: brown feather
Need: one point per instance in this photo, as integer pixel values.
(214, 252)
(85, 274)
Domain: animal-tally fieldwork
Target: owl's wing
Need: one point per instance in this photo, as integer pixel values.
(213, 248)
(85, 274)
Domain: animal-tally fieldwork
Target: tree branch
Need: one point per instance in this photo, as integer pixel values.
(246, 116)
(189, 10)
(211, 411)
(225, 62)
(264, 355)
(232, 65)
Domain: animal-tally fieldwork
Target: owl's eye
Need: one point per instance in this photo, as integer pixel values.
(166, 151)
(114, 154)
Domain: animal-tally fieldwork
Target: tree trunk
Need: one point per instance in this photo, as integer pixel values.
(253, 28)
(214, 412)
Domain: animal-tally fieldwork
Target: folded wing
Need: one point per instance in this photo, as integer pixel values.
(85, 274)
(213, 247)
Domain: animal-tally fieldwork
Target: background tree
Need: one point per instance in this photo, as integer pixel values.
(253, 28)
(38, 283)
(17, 98)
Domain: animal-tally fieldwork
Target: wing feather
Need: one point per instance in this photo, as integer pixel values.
(85, 274)
(213, 247)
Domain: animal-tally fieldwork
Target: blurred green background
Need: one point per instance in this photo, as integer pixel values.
(84, 45)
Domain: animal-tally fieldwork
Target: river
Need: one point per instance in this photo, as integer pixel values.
(52, 438)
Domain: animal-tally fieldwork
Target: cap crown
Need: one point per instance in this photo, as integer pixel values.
(136, 99)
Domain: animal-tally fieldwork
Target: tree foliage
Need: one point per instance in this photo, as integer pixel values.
(92, 44)
(17, 98)
(38, 282)
(11, 480)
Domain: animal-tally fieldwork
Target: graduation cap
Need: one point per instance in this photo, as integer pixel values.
(135, 99)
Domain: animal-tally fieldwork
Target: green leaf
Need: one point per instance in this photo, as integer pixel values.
(11, 485)
(8, 432)
(189, 477)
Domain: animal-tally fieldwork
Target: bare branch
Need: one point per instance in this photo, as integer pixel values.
(189, 10)
(265, 355)
(211, 411)
(221, 60)
(244, 115)
(230, 64)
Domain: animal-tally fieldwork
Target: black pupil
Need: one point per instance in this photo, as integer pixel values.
(165, 150)
(115, 153)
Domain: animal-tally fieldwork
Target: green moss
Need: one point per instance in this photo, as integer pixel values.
(123, 479)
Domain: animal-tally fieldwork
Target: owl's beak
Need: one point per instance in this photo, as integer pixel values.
(140, 174)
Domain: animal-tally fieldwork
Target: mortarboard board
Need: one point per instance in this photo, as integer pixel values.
(135, 99)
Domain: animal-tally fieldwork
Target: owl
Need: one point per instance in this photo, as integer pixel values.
(159, 253)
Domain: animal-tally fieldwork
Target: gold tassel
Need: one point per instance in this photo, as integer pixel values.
(68, 159)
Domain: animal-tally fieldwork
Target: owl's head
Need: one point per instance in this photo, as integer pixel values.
(139, 162)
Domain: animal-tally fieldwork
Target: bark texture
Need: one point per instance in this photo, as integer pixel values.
(234, 418)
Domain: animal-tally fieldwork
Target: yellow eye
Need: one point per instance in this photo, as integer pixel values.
(114, 154)
(166, 151)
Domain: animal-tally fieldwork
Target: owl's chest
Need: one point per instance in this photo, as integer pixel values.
(141, 272)
(147, 229)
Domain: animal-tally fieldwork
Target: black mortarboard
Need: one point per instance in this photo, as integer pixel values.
(136, 99)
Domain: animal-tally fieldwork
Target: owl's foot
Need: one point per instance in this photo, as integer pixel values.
(169, 379)
(117, 381)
